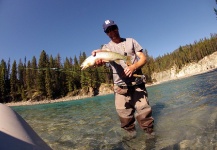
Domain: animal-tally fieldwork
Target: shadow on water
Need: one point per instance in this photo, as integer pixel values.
(156, 110)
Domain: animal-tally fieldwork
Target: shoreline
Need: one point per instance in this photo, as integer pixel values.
(78, 97)
(63, 99)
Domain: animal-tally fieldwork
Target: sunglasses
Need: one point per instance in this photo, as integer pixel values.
(111, 28)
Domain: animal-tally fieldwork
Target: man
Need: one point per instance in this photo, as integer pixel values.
(130, 93)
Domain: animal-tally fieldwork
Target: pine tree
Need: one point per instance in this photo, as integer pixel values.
(48, 84)
(59, 78)
(7, 80)
(21, 78)
(84, 75)
(42, 65)
(69, 75)
(34, 73)
(3, 92)
(76, 74)
(29, 80)
(14, 82)
(146, 69)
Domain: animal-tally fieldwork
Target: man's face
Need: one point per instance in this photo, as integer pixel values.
(113, 33)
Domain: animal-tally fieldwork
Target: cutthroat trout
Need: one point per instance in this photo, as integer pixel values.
(106, 56)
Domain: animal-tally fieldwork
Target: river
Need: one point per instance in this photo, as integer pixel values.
(185, 115)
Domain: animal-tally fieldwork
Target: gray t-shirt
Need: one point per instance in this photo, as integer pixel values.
(128, 47)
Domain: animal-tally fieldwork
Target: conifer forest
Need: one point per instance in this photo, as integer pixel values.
(55, 77)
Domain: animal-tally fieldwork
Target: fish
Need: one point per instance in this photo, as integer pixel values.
(106, 56)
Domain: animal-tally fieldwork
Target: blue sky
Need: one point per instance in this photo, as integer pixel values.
(69, 27)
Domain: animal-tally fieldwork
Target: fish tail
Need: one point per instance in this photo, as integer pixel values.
(128, 60)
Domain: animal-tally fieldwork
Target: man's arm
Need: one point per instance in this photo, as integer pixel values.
(132, 68)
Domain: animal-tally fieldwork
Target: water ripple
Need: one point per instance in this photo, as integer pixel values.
(185, 115)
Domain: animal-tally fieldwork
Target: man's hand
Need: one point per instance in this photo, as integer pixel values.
(132, 68)
(129, 70)
(95, 51)
(99, 62)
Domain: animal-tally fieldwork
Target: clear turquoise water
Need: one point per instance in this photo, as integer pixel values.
(185, 115)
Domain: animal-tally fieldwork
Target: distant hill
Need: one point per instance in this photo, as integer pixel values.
(206, 64)
(180, 58)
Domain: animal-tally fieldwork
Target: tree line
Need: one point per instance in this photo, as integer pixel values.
(181, 56)
(49, 78)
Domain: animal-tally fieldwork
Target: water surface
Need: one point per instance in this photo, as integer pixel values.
(185, 115)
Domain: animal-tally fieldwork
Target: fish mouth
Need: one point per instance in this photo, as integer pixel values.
(83, 67)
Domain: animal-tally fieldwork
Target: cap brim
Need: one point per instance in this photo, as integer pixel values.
(109, 25)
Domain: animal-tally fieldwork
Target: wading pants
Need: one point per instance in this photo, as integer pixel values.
(132, 106)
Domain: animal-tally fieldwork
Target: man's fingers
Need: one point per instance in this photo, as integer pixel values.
(128, 72)
(95, 51)
(99, 62)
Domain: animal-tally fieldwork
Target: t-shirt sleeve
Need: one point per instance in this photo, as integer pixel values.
(137, 46)
(105, 46)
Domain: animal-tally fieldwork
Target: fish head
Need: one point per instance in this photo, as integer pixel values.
(83, 67)
(87, 63)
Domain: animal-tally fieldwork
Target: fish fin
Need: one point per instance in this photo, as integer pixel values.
(82, 68)
(117, 62)
(106, 50)
(128, 60)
